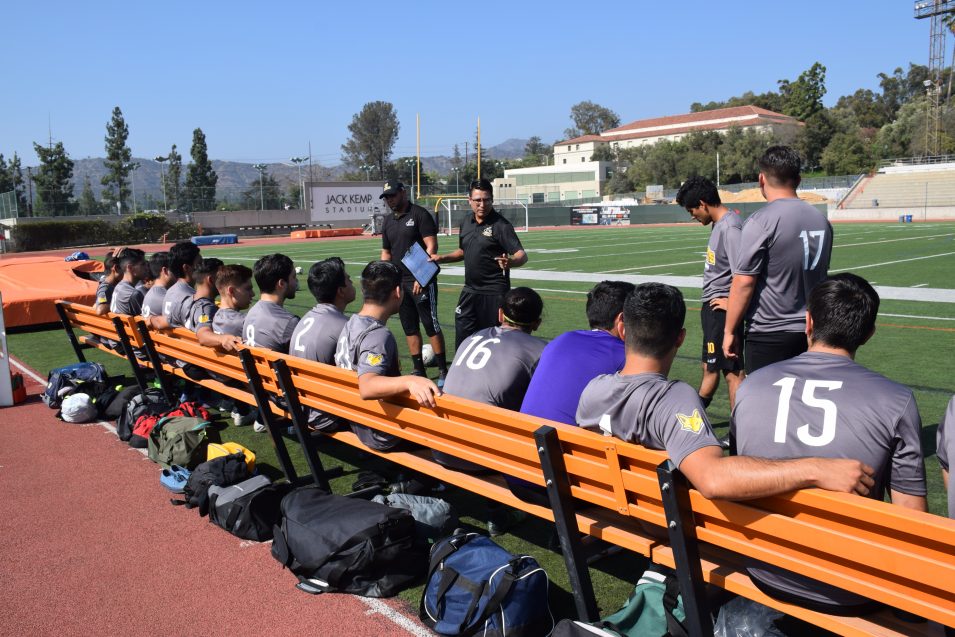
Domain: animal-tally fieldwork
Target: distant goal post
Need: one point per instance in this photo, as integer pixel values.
(451, 211)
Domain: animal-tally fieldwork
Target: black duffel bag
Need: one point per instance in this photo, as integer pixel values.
(335, 543)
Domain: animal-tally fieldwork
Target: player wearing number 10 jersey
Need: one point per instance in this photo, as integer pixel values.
(822, 403)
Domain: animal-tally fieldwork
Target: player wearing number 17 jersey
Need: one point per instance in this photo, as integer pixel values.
(784, 252)
(823, 403)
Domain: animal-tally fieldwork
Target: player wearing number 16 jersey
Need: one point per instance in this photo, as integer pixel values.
(823, 403)
(784, 252)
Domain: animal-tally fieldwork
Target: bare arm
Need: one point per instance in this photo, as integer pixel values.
(376, 387)
(915, 502)
(451, 257)
(157, 322)
(720, 477)
(518, 259)
(385, 255)
(741, 293)
(101, 309)
(430, 244)
(227, 342)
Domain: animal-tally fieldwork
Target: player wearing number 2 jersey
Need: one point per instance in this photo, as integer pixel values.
(823, 403)
(784, 252)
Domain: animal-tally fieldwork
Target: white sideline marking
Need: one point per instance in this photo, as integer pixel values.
(920, 285)
(377, 606)
(876, 265)
(870, 243)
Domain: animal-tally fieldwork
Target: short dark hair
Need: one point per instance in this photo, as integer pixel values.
(183, 253)
(207, 268)
(378, 281)
(653, 317)
(232, 274)
(483, 185)
(111, 260)
(522, 306)
(696, 191)
(325, 278)
(605, 302)
(781, 166)
(130, 256)
(157, 262)
(843, 310)
(271, 269)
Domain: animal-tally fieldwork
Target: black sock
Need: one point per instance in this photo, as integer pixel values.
(706, 401)
(442, 362)
(418, 362)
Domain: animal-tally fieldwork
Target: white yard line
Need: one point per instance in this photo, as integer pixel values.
(872, 243)
(876, 265)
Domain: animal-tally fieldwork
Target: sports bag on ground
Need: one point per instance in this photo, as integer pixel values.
(179, 440)
(217, 449)
(221, 472)
(145, 423)
(474, 586)
(335, 543)
(112, 402)
(63, 380)
(574, 628)
(152, 402)
(654, 608)
(250, 509)
(434, 517)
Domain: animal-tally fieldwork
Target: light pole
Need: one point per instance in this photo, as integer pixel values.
(261, 168)
(298, 161)
(131, 167)
(162, 180)
(457, 188)
(367, 170)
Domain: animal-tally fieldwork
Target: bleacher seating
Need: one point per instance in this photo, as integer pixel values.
(908, 187)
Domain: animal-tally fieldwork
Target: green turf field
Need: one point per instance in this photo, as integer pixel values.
(914, 344)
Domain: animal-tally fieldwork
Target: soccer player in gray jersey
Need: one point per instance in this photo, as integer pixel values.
(494, 365)
(823, 403)
(234, 283)
(639, 404)
(184, 258)
(126, 298)
(268, 324)
(159, 267)
(204, 309)
(946, 450)
(316, 335)
(113, 275)
(784, 252)
(702, 200)
(367, 346)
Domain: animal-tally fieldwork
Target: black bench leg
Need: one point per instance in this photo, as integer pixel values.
(562, 504)
(682, 529)
(266, 415)
(165, 385)
(70, 334)
(300, 422)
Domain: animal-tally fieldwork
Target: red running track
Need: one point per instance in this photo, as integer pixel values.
(91, 546)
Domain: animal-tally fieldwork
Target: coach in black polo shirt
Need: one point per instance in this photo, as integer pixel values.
(490, 248)
(406, 225)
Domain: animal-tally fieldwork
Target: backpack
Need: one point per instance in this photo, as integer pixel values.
(112, 402)
(434, 517)
(574, 628)
(475, 586)
(153, 402)
(219, 472)
(248, 510)
(145, 423)
(217, 449)
(89, 378)
(178, 440)
(348, 545)
(655, 608)
(77, 408)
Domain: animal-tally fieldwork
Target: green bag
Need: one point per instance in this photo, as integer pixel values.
(654, 609)
(180, 440)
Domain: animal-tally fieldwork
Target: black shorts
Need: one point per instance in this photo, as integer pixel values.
(423, 308)
(474, 313)
(766, 348)
(714, 322)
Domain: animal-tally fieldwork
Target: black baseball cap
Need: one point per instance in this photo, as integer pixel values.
(391, 188)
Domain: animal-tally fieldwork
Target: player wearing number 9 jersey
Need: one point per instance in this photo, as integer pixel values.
(268, 324)
(823, 403)
(784, 252)
(494, 365)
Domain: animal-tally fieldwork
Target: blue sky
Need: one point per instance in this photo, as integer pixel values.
(263, 79)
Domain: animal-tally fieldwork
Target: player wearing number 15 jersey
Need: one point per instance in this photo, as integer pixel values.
(784, 252)
(823, 403)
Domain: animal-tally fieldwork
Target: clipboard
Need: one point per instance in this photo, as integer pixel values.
(419, 264)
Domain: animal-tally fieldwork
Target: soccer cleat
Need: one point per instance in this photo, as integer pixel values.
(259, 427)
(240, 420)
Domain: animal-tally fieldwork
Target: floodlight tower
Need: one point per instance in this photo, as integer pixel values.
(934, 9)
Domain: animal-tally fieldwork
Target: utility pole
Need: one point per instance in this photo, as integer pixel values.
(298, 162)
(162, 180)
(261, 168)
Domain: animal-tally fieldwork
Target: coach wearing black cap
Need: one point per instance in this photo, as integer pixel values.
(490, 248)
(408, 224)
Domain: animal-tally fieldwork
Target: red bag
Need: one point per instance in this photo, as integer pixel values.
(145, 423)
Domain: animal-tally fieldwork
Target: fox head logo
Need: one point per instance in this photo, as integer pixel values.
(692, 423)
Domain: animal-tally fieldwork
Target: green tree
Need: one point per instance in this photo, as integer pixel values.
(604, 152)
(201, 179)
(847, 154)
(770, 100)
(270, 193)
(865, 107)
(814, 137)
(117, 163)
(174, 179)
(6, 176)
(54, 181)
(536, 153)
(87, 203)
(374, 131)
(590, 119)
(803, 97)
(19, 185)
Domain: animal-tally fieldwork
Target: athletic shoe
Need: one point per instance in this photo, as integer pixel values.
(505, 521)
(418, 373)
(439, 381)
(259, 427)
(240, 420)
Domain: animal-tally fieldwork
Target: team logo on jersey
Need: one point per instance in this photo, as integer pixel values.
(692, 423)
(203, 318)
(410, 223)
(375, 359)
(710, 256)
(101, 299)
(488, 232)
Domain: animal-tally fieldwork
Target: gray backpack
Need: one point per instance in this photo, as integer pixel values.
(434, 518)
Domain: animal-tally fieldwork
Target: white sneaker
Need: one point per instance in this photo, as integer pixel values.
(259, 427)
(243, 421)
